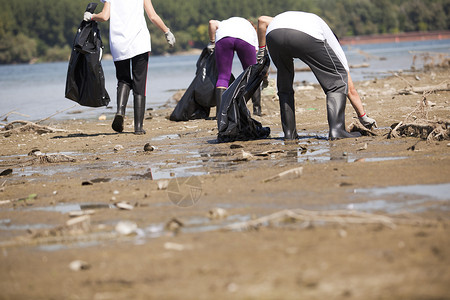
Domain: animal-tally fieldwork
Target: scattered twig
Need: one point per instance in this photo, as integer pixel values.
(338, 216)
(424, 89)
(58, 112)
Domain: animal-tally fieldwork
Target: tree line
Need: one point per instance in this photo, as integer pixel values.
(43, 30)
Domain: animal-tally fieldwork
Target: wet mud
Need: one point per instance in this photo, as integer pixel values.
(174, 214)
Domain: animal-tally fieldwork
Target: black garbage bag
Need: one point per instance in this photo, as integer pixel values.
(199, 96)
(234, 121)
(85, 81)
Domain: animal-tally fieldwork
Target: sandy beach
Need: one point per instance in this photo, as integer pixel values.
(86, 213)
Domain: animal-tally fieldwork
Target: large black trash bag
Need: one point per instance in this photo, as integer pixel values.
(234, 121)
(199, 96)
(85, 81)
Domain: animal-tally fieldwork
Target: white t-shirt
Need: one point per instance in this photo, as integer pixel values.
(239, 28)
(312, 25)
(128, 32)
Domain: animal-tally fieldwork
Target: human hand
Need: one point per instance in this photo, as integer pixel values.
(170, 38)
(367, 122)
(211, 46)
(87, 16)
(262, 51)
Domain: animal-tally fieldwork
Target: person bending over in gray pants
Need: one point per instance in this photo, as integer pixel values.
(306, 36)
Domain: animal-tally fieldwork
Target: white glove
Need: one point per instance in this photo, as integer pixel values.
(211, 46)
(261, 53)
(170, 38)
(367, 122)
(87, 16)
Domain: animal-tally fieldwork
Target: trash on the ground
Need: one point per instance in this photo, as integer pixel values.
(79, 213)
(98, 180)
(148, 147)
(364, 147)
(217, 213)
(162, 184)
(124, 206)
(289, 174)
(126, 227)
(78, 265)
(102, 118)
(79, 225)
(52, 158)
(176, 246)
(6, 172)
(117, 148)
(174, 225)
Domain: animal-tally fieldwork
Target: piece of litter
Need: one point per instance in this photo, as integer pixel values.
(126, 227)
(162, 184)
(79, 213)
(217, 213)
(124, 206)
(289, 174)
(176, 247)
(78, 265)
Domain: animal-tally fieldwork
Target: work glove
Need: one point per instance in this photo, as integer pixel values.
(211, 46)
(262, 51)
(367, 122)
(170, 38)
(87, 16)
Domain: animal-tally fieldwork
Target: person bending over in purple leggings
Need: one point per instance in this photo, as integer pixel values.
(226, 37)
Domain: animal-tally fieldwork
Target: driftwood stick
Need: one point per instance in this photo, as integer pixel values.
(340, 217)
(424, 89)
(58, 112)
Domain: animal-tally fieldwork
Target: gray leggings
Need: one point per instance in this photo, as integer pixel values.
(286, 44)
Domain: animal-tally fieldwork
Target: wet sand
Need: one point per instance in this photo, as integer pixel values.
(323, 247)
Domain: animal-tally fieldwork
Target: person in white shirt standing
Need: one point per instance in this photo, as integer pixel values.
(130, 47)
(306, 36)
(226, 37)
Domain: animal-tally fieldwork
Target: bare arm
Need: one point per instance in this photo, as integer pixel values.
(103, 16)
(263, 22)
(354, 98)
(212, 28)
(154, 17)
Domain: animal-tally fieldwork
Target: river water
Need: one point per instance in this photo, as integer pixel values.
(37, 90)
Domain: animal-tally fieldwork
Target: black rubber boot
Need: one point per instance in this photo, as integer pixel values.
(336, 117)
(139, 113)
(256, 100)
(218, 97)
(287, 110)
(123, 92)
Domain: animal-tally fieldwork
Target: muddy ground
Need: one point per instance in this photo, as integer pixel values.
(368, 218)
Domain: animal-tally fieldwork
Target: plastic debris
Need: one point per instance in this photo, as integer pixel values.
(78, 265)
(126, 227)
(289, 174)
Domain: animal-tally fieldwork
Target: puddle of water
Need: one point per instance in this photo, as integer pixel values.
(66, 208)
(377, 159)
(6, 225)
(403, 198)
(166, 137)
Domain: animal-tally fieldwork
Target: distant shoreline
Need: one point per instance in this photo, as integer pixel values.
(396, 38)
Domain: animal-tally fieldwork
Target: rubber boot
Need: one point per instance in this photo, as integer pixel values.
(139, 113)
(336, 117)
(256, 100)
(123, 92)
(218, 97)
(288, 116)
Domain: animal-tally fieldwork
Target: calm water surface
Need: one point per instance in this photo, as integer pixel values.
(38, 90)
